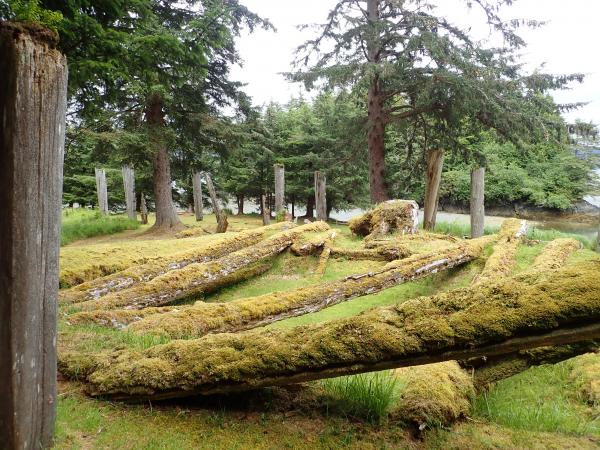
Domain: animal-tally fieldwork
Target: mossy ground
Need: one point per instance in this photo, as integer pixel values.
(529, 411)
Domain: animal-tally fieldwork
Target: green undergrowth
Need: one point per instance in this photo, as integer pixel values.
(542, 398)
(460, 229)
(81, 224)
(538, 234)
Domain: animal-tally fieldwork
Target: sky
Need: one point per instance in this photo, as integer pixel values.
(566, 44)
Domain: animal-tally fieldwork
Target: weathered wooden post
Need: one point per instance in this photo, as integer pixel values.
(435, 159)
(477, 206)
(320, 195)
(129, 186)
(221, 217)
(598, 239)
(33, 92)
(102, 191)
(279, 188)
(264, 209)
(197, 188)
(143, 209)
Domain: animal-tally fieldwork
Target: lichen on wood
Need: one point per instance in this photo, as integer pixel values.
(470, 322)
(198, 278)
(243, 314)
(386, 217)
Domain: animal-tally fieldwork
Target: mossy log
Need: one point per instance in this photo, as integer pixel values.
(388, 252)
(394, 215)
(311, 244)
(433, 394)
(585, 373)
(504, 256)
(135, 275)
(244, 314)
(198, 278)
(487, 320)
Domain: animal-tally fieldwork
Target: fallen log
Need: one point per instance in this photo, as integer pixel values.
(244, 314)
(311, 244)
(585, 373)
(393, 215)
(135, 275)
(388, 252)
(555, 254)
(198, 278)
(471, 322)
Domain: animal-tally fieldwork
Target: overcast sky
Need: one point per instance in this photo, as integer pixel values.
(566, 44)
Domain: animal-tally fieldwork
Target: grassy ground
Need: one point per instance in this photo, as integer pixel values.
(539, 408)
(80, 224)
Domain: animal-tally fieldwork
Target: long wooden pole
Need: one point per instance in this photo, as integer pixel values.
(33, 93)
(279, 187)
(320, 195)
(221, 217)
(129, 186)
(102, 191)
(435, 160)
(197, 188)
(477, 205)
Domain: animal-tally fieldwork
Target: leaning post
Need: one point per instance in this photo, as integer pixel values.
(279, 187)
(433, 177)
(102, 191)
(221, 217)
(33, 94)
(320, 195)
(129, 186)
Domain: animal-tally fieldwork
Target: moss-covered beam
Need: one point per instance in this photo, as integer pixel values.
(243, 314)
(394, 215)
(198, 278)
(492, 320)
(387, 252)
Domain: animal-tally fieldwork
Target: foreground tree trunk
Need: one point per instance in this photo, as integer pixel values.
(321, 195)
(101, 191)
(435, 159)
(166, 216)
(477, 205)
(197, 190)
(33, 92)
(129, 187)
(485, 321)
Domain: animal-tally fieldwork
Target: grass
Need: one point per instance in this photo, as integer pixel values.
(542, 398)
(368, 396)
(538, 234)
(80, 224)
(460, 229)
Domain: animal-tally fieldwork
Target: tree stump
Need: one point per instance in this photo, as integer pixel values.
(197, 187)
(477, 206)
(435, 160)
(33, 92)
(102, 191)
(320, 195)
(129, 186)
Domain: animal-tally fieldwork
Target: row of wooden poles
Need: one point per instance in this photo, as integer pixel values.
(279, 170)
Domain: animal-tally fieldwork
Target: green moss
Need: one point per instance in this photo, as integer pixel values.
(398, 215)
(585, 373)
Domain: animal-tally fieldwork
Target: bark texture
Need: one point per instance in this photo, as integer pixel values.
(198, 278)
(477, 205)
(433, 177)
(197, 188)
(487, 320)
(33, 93)
(279, 188)
(321, 196)
(101, 191)
(129, 186)
(166, 216)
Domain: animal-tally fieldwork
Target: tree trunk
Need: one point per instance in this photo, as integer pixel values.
(320, 195)
(101, 191)
(221, 217)
(310, 207)
(375, 114)
(197, 188)
(33, 94)
(264, 209)
(279, 188)
(143, 209)
(435, 160)
(166, 216)
(129, 186)
(477, 206)
(240, 204)
(293, 206)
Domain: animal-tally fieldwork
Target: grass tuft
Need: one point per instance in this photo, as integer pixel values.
(80, 224)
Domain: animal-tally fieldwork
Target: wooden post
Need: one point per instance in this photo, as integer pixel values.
(279, 188)
(144, 209)
(320, 195)
(435, 161)
(102, 191)
(198, 204)
(477, 206)
(33, 96)
(129, 186)
(598, 239)
(264, 209)
(221, 217)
